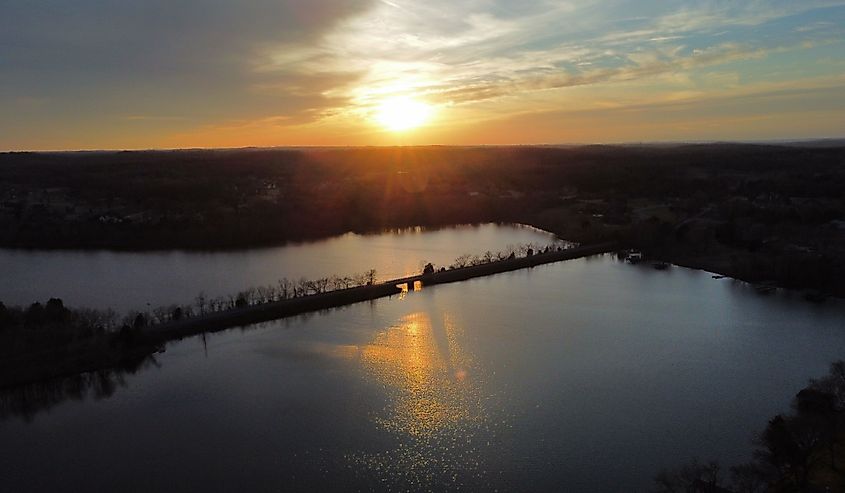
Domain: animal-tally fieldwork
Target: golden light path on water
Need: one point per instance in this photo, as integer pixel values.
(428, 370)
(436, 411)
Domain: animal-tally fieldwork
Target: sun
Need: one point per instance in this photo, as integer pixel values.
(400, 114)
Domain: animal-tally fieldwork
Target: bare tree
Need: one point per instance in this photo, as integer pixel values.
(250, 295)
(461, 261)
(286, 288)
(201, 302)
(301, 287)
(318, 286)
(336, 282)
(263, 294)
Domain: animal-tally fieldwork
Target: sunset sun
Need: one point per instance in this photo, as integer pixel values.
(400, 114)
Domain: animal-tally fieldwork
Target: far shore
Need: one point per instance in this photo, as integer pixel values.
(760, 213)
(714, 262)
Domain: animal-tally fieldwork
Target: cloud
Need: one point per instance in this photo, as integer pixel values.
(643, 67)
(759, 111)
(181, 67)
(191, 58)
(464, 54)
(157, 35)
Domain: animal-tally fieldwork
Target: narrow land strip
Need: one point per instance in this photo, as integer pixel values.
(333, 299)
(128, 350)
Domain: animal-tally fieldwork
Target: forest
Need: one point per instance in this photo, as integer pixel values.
(758, 212)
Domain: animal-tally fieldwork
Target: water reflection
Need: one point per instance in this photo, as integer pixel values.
(27, 401)
(427, 372)
(437, 410)
(578, 376)
(91, 279)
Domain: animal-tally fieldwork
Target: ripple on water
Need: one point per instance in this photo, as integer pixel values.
(438, 413)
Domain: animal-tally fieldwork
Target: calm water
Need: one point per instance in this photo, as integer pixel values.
(128, 281)
(588, 375)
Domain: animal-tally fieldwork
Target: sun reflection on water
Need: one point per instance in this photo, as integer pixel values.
(427, 373)
(436, 410)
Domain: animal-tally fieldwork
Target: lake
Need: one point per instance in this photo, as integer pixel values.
(127, 281)
(586, 375)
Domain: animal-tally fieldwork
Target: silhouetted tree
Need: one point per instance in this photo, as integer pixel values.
(55, 311)
(5, 317)
(690, 478)
(318, 286)
(819, 409)
(462, 261)
(201, 302)
(301, 288)
(833, 383)
(264, 294)
(791, 448)
(789, 443)
(34, 316)
(161, 314)
(751, 477)
(285, 288)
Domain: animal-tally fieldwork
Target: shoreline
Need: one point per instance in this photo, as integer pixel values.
(214, 245)
(128, 349)
(712, 266)
(714, 263)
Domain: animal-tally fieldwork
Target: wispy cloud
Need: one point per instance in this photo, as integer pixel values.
(462, 55)
(287, 66)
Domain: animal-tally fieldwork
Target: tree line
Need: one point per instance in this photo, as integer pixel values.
(287, 289)
(510, 252)
(797, 451)
(284, 289)
(52, 324)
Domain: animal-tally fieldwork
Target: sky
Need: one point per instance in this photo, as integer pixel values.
(114, 74)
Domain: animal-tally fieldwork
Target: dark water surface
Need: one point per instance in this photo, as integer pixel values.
(587, 375)
(127, 281)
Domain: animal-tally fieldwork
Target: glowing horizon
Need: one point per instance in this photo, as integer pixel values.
(378, 72)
